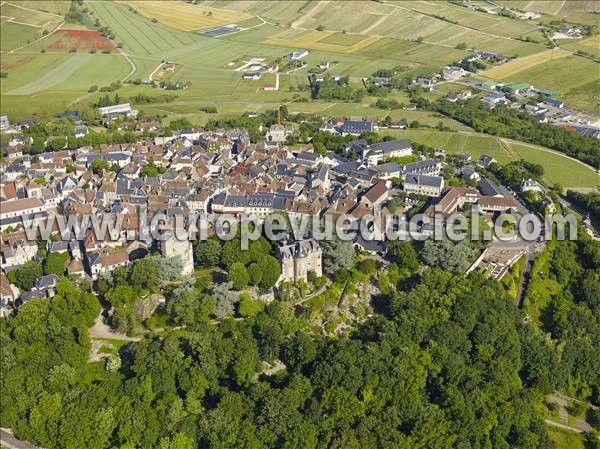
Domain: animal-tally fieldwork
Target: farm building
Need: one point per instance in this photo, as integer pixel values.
(252, 75)
(491, 84)
(124, 108)
(519, 88)
(299, 54)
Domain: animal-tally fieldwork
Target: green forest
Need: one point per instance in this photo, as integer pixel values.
(445, 362)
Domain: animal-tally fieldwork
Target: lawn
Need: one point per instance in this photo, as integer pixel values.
(187, 16)
(14, 35)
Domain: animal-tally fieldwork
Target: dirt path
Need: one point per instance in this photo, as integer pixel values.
(376, 24)
(318, 7)
(562, 401)
(8, 440)
(317, 293)
(101, 330)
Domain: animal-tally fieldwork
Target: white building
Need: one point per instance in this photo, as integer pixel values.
(424, 184)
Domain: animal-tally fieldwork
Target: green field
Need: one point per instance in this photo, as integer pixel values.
(579, 88)
(404, 20)
(48, 83)
(558, 168)
(14, 35)
(388, 41)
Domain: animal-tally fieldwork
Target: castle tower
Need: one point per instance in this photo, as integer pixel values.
(179, 248)
(300, 262)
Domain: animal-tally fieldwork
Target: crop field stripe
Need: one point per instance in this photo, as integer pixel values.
(117, 11)
(121, 28)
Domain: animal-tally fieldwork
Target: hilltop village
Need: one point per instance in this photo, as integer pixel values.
(221, 171)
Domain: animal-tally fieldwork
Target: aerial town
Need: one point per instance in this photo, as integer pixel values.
(299, 224)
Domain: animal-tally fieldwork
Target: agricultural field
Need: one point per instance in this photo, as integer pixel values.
(187, 16)
(39, 83)
(319, 40)
(558, 168)
(14, 35)
(579, 88)
(58, 7)
(377, 36)
(23, 15)
(437, 23)
(65, 40)
(579, 11)
(589, 45)
(521, 64)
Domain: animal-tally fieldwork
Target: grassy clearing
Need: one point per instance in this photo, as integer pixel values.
(186, 16)
(563, 439)
(13, 35)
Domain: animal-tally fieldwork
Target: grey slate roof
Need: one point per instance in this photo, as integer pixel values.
(424, 180)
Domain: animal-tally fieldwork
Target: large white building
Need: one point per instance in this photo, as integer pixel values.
(424, 184)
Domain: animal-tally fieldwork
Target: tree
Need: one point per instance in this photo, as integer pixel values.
(224, 299)
(120, 295)
(239, 276)
(404, 254)
(337, 254)
(207, 253)
(99, 165)
(271, 271)
(232, 252)
(112, 362)
(25, 276)
(255, 272)
(447, 254)
(55, 263)
(145, 274)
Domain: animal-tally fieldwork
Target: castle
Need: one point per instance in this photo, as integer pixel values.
(298, 258)
(183, 249)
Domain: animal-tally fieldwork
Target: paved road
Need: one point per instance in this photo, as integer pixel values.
(8, 440)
